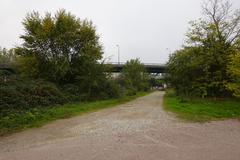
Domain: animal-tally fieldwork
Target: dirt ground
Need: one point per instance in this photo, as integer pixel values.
(138, 130)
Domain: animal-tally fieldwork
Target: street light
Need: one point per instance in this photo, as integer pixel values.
(168, 50)
(118, 53)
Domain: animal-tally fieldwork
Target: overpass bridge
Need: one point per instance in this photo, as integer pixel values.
(150, 67)
(116, 67)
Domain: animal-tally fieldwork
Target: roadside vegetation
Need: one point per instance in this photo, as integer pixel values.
(58, 71)
(201, 110)
(205, 73)
(38, 116)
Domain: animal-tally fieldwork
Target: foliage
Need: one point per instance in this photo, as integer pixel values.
(66, 51)
(28, 66)
(234, 72)
(187, 72)
(201, 110)
(38, 116)
(201, 67)
(6, 56)
(60, 62)
(62, 47)
(155, 82)
(7, 61)
(21, 94)
(134, 77)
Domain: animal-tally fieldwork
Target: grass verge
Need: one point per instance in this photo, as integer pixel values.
(202, 110)
(39, 116)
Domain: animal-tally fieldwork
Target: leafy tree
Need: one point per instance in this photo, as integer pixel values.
(134, 76)
(187, 72)
(62, 46)
(201, 68)
(7, 59)
(65, 50)
(234, 72)
(6, 56)
(221, 25)
(153, 82)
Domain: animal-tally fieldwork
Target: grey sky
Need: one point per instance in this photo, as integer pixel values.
(142, 28)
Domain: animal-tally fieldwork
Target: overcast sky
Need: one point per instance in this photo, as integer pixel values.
(145, 29)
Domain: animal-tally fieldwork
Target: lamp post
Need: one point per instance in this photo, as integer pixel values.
(168, 50)
(118, 53)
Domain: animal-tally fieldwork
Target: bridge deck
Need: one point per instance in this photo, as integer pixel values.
(150, 67)
(116, 67)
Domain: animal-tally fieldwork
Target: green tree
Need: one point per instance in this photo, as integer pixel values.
(201, 68)
(65, 50)
(187, 72)
(134, 76)
(7, 62)
(7, 56)
(62, 47)
(234, 72)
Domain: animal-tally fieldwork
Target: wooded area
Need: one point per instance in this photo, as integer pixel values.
(60, 61)
(208, 65)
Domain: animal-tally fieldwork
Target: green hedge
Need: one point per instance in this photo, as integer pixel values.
(20, 94)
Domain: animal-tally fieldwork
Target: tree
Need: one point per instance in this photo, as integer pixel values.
(187, 72)
(234, 72)
(65, 50)
(6, 56)
(221, 24)
(210, 44)
(62, 46)
(134, 76)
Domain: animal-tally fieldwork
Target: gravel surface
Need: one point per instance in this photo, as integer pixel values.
(138, 130)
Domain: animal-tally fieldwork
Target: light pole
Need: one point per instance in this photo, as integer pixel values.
(168, 50)
(118, 53)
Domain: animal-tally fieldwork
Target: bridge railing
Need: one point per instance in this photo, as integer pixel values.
(145, 64)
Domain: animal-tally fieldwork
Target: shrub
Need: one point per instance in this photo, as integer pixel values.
(21, 94)
(113, 89)
(107, 89)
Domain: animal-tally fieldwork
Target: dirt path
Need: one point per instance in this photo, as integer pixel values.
(138, 130)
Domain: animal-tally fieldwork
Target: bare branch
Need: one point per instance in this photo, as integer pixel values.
(225, 21)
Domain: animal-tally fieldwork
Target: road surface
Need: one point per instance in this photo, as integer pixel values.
(138, 130)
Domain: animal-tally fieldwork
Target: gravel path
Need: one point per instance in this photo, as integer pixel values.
(138, 130)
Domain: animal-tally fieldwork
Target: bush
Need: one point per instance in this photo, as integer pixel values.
(107, 89)
(131, 92)
(113, 89)
(73, 92)
(20, 94)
